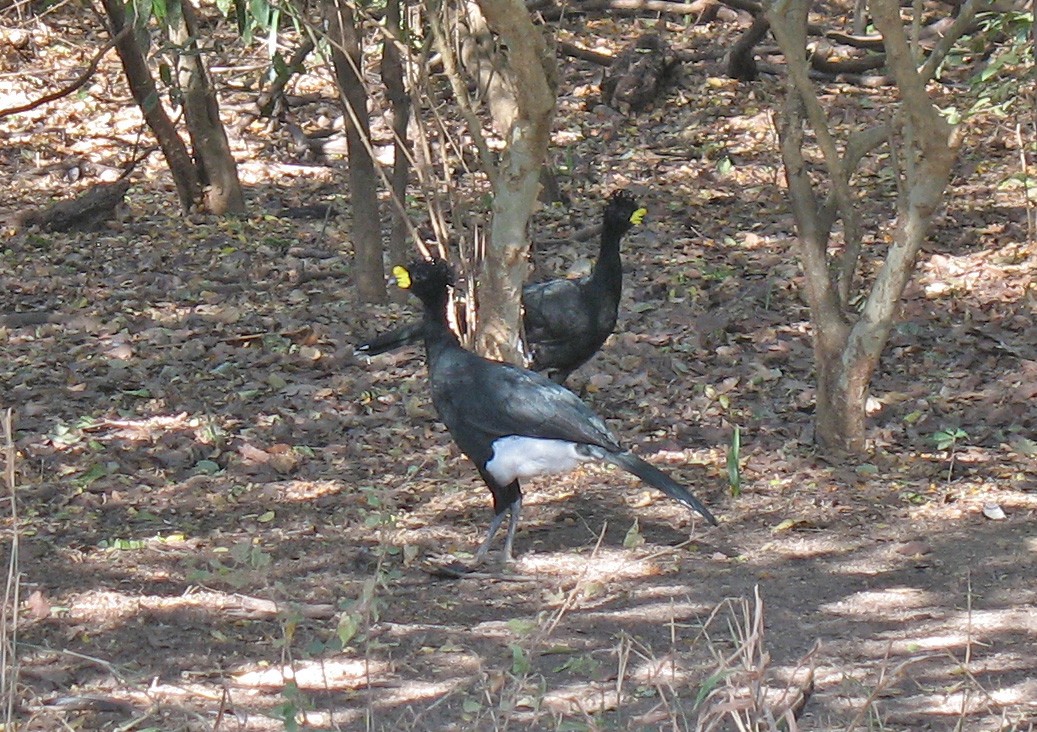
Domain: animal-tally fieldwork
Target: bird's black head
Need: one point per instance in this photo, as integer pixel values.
(428, 279)
(622, 211)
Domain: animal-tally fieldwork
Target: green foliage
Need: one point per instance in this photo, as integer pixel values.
(584, 666)
(1001, 52)
(236, 566)
(734, 471)
(295, 702)
(520, 663)
(348, 627)
(707, 687)
(947, 439)
(633, 538)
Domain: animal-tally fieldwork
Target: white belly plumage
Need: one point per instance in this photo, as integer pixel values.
(524, 457)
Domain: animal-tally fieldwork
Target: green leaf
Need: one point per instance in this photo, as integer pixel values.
(95, 472)
(734, 472)
(348, 626)
(281, 70)
(707, 687)
(521, 626)
(207, 467)
(520, 665)
(260, 10)
(633, 538)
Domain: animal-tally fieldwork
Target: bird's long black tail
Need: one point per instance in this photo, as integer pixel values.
(660, 480)
(406, 335)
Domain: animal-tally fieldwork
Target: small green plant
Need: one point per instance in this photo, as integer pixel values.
(947, 440)
(237, 566)
(520, 662)
(293, 708)
(734, 471)
(376, 513)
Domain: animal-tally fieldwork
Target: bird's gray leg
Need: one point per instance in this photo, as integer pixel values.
(515, 508)
(490, 533)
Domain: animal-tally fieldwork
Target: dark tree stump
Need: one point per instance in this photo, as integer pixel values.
(86, 212)
(639, 75)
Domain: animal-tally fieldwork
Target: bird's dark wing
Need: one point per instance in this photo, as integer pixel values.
(554, 309)
(496, 399)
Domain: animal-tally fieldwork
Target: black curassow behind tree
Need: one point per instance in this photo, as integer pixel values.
(513, 423)
(566, 321)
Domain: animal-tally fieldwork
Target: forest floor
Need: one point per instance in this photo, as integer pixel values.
(224, 518)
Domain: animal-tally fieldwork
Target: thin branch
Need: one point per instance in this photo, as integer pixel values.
(962, 24)
(78, 83)
(584, 54)
(924, 117)
(837, 169)
(461, 93)
(857, 146)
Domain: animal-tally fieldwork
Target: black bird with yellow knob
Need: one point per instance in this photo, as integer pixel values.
(514, 424)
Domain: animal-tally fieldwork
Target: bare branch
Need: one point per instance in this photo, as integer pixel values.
(457, 85)
(82, 79)
(900, 61)
(799, 75)
(574, 51)
(936, 144)
(962, 24)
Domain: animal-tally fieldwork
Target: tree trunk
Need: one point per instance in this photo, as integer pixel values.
(530, 71)
(847, 353)
(223, 193)
(145, 94)
(363, 183)
(396, 90)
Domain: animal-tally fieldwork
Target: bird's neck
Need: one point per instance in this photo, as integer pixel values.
(609, 268)
(438, 334)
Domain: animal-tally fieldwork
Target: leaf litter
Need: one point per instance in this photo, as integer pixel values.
(213, 490)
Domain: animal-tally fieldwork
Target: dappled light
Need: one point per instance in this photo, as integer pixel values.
(225, 518)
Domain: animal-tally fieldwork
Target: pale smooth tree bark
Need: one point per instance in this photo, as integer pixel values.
(529, 69)
(847, 346)
(219, 172)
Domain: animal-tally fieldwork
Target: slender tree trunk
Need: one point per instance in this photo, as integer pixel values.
(847, 353)
(530, 69)
(363, 182)
(146, 95)
(223, 193)
(396, 90)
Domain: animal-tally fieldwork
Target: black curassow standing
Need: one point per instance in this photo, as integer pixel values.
(512, 423)
(565, 321)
